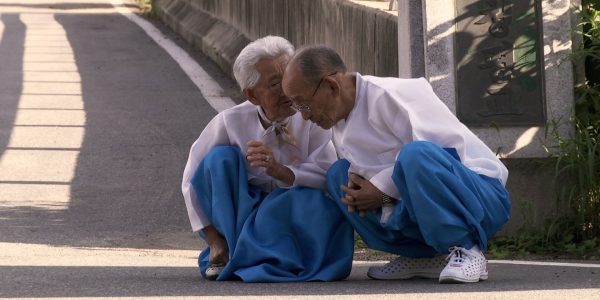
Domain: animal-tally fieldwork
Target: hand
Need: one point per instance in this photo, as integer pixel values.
(361, 194)
(260, 155)
(349, 199)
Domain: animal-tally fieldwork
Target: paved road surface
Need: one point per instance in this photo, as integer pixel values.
(95, 124)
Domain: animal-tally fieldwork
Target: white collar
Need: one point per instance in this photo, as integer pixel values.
(273, 125)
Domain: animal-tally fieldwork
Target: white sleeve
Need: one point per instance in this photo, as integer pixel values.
(390, 116)
(321, 155)
(214, 134)
(383, 181)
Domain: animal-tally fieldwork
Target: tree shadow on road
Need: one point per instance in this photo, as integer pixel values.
(142, 113)
(12, 44)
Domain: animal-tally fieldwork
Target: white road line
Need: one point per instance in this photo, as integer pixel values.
(504, 262)
(210, 89)
(544, 263)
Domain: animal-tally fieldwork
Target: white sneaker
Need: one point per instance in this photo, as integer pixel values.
(464, 266)
(407, 267)
(213, 272)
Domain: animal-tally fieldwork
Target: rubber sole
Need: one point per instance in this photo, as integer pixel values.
(428, 275)
(452, 279)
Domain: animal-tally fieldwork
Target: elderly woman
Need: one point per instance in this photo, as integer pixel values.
(253, 184)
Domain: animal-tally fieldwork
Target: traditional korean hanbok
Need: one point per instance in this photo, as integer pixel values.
(450, 185)
(275, 233)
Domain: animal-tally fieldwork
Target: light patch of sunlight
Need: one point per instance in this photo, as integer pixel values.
(47, 137)
(561, 46)
(51, 6)
(40, 160)
(47, 196)
(41, 50)
(46, 43)
(52, 88)
(52, 77)
(26, 166)
(49, 66)
(1, 31)
(525, 139)
(51, 101)
(50, 117)
(45, 57)
(434, 78)
(383, 6)
(45, 255)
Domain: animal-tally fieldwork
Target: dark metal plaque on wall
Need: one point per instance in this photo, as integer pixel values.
(499, 63)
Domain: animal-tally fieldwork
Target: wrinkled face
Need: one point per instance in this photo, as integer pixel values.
(267, 92)
(316, 103)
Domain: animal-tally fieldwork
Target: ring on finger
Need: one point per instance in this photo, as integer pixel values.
(267, 158)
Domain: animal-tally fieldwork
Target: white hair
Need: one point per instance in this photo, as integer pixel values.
(244, 69)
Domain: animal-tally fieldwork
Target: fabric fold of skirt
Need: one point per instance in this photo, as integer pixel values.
(295, 234)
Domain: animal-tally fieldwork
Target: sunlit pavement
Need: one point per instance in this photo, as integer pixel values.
(95, 124)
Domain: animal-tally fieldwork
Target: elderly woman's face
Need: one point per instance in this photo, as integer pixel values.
(267, 92)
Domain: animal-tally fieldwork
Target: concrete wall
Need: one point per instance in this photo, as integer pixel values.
(366, 38)
(532, 187)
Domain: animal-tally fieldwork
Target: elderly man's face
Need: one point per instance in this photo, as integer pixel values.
(315, 102)
(267, 92)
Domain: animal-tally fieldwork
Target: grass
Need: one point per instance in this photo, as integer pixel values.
(578, 155)
(526, 245)
(555, 241)
(145, 6)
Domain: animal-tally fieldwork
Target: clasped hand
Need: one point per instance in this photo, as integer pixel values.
(361, 195)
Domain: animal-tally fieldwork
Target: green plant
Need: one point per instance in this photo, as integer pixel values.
(145, 6)
(556, 239)
(578, 160)
(578, 156)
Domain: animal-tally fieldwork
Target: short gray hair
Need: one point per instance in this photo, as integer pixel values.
(244, 69)
(314, 62)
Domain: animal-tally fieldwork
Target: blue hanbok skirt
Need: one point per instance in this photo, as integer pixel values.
(443, 204)
(295, 234)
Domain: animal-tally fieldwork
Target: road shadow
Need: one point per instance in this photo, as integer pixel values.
(142, 113)
(12, 43)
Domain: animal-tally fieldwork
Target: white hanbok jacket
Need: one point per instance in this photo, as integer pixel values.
(240, 124)
(391, 112)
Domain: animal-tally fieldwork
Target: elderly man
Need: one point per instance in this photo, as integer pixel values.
(412, 180)
(253, 184)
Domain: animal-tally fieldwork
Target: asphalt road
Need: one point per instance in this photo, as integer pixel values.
(96, 121)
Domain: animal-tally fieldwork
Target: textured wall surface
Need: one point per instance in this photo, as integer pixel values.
(366, 38)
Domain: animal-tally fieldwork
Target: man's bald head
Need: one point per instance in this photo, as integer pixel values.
(313, 62)
(317, 82)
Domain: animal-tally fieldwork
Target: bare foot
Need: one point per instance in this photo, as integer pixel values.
(219, 253)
